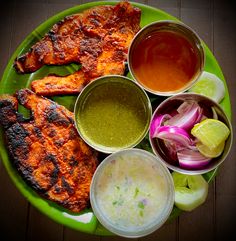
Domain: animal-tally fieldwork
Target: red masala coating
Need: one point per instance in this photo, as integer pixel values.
(47, 150)
(97, 38)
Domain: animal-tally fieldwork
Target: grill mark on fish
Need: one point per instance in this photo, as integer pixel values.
(83, 39)
(47, 150)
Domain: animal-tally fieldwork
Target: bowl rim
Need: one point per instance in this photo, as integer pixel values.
(148, 106)
(199, 46)
(168, 205)
(203, 170)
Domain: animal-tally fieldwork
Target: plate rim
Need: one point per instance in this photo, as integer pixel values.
(94, 227)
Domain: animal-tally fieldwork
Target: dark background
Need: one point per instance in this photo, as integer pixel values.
(214, 21)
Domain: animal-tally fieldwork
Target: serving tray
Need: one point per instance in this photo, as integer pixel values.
(11, 81)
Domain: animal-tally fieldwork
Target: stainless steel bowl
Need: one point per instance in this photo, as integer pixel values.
(112, 82)
(168, 26)
(172, 103)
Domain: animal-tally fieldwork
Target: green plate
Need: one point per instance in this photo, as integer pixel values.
(11, 81)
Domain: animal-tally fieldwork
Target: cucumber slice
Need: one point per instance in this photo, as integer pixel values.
(209, 85)
(190, 191)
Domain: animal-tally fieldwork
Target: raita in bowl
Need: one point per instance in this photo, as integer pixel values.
(132, 193)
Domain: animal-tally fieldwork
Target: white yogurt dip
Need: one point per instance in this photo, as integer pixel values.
(132, 190)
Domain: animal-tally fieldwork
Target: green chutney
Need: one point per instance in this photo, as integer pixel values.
(114, 114)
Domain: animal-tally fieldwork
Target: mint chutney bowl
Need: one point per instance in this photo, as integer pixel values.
(112, 113)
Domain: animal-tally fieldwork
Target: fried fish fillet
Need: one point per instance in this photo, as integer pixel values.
(47, 150)
(98, 39)
(58, 85)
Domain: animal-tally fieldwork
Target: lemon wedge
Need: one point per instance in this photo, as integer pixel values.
(211, 132)
(212, 153)
(209, 85)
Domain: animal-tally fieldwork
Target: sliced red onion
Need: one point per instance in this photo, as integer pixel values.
(185, 106)
(200, 115)
(173, 148)
(191, 159)
(175, 134)
(174, 130)
(189, 114)
(157, 122)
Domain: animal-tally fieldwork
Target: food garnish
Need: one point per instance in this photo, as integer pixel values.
(212, 153)
(211, 132)
(189, 136)
(190, 191)
(209, 85)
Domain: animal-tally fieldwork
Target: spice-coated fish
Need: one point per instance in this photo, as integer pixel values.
(97, 38)
(47, 150)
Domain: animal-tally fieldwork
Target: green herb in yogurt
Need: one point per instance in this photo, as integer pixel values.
(135, 194)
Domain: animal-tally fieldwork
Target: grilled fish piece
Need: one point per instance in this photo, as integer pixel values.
(79, 38)
(47, 150)
(53, 84)
(98, 38)
(58, 85)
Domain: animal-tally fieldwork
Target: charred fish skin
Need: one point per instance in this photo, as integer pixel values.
(47, 150)
(97, 38)
(80, 34)
(8, 110)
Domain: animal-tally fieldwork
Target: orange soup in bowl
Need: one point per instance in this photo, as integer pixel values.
(166, 58)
